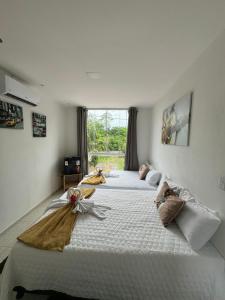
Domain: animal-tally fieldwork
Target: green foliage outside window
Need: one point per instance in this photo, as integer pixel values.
(94, 161)
(104, 138)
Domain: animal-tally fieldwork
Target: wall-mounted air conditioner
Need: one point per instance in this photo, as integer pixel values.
(13, 88)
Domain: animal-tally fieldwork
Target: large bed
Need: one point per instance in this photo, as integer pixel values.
(124, 180)
(128, 255)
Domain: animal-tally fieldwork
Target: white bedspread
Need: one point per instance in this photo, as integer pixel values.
(128, 180)
(128, 255)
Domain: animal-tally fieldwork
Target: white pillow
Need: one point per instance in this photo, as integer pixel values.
(162, 180)
(197, 223)
(153, 177)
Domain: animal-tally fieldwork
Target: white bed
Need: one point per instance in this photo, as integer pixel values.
(128, 180)
(128, 255)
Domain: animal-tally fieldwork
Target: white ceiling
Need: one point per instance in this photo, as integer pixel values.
(139, 47)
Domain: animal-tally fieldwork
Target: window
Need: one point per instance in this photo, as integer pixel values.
(107, 137)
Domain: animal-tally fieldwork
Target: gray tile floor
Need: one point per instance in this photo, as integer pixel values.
(8, 237)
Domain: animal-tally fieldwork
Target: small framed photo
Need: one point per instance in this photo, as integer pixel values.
(11, 115)
(39, 125)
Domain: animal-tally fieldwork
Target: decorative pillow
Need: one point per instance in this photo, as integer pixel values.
(186, 195)
(174, 186)
(160, 193)
(198, 224)
(149, 165)
(170, 209)
(153, 177)
(163, 193)
(143, 170)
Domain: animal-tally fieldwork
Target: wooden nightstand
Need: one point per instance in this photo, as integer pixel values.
(71, 180)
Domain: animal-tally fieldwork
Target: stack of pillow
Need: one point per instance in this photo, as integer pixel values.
(151, 176)
(197, 222)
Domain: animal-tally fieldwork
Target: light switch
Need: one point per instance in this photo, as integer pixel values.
(222, 183)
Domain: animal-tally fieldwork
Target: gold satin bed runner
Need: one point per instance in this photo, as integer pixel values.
(94, 179)
(53, 232)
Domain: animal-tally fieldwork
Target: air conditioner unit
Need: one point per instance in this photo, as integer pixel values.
(12, 88)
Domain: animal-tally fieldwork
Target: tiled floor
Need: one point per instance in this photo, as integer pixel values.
(8, 238)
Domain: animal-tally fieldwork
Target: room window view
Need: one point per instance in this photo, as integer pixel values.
(107, 137)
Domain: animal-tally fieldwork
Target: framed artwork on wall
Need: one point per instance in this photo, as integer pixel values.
(176, 122)
(39, 125)
(11, 115)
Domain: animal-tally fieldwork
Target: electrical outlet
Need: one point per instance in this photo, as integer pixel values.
(222, 183)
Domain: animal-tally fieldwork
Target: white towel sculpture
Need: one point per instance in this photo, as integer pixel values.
(82, 205)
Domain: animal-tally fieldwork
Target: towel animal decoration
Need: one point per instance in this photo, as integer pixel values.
(74, 195)
(99, 172)
(53, 232)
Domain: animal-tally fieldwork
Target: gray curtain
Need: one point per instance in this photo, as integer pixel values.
(131, 158)
(82, 138)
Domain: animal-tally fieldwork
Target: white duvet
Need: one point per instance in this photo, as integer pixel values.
(128, 180)
(128, 255)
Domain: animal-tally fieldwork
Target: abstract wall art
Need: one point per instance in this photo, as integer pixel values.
(176, 122)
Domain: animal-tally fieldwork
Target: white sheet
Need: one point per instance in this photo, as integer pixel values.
(125, 180)
(128, 255)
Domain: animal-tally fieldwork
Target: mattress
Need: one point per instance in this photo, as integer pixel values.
(124, 180)
(128, 255)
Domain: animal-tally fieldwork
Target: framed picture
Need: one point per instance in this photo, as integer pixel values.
(176, 122)
(39, 125)
(11, 115)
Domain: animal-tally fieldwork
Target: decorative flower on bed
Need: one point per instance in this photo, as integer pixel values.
(73, 195)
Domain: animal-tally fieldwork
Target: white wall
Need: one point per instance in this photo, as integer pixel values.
(30, 167)
(200, 165)
(143, 137)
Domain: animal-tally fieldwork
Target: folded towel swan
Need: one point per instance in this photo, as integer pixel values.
(83, 204)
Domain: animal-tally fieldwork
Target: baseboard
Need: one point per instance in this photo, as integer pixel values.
(17, 220)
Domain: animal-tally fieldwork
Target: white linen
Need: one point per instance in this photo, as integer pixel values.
(88, 206)
(124, 180)
(129, 255)
(197, 223)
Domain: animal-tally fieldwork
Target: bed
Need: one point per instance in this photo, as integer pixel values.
(124, 180)
(128, 255)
